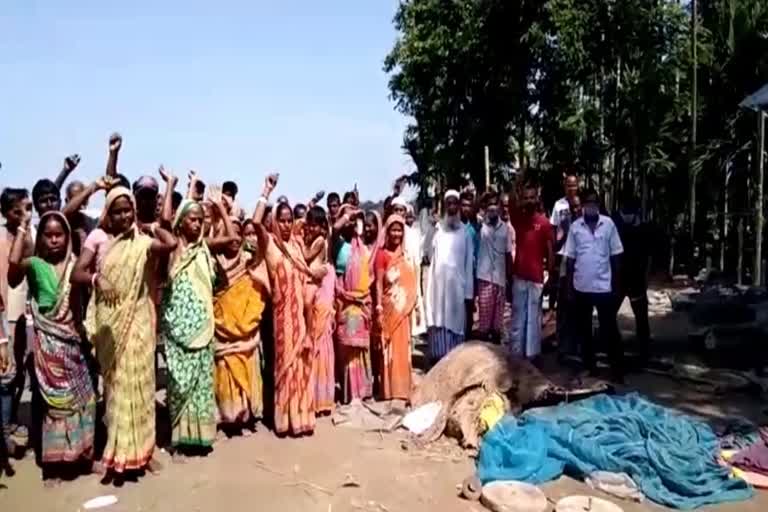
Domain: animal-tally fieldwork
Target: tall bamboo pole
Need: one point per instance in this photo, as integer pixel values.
(757, 273)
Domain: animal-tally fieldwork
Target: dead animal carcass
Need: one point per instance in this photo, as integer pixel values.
(465, 378)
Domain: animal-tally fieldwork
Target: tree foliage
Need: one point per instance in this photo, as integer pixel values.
(602, 87)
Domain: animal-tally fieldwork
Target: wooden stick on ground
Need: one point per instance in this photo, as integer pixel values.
(296, 481)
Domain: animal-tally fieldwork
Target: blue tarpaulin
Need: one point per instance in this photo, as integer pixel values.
(671, 457)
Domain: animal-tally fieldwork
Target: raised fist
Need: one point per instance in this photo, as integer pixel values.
(272, 180)
(115, 142)
(71, 162)
(168, 177)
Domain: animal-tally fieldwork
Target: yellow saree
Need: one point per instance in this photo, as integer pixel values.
(124, 338)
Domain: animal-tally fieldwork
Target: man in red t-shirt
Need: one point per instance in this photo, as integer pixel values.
(534, 239)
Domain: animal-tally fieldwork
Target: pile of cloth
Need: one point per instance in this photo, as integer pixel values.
(746, 453)
(671, 458)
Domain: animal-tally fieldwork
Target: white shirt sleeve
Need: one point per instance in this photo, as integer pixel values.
(569, 249)
(615, 241)
(554, 217)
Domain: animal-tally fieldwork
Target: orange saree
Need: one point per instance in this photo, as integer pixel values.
(398, 302)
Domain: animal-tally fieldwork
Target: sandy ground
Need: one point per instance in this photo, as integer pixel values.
(262, 472)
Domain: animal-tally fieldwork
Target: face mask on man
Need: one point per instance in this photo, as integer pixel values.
(591, 212)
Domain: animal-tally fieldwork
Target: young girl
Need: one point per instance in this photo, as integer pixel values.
(117, 260)
(319, 309)
(63, 379)
(15, 205)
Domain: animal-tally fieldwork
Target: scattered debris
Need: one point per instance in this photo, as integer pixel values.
(586, 504)
(350, 481)
(422, 418)
(513, 497)
(370, 506)
(304, 483)
(619, 485)
(100, 502)
(471, 488)
(367, 416)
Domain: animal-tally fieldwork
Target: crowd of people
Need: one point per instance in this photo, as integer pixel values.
(277, 315)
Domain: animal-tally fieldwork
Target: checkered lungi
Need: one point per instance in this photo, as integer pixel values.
(490, 305)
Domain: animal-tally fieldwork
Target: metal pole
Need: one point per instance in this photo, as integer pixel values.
(487, 168)
(759, 218)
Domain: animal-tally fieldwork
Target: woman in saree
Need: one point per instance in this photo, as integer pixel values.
(62, 374)
(353, 305)
(187, 328)
(319, 304)
(117, 260)
(395, 301)
(294, 348)
(241, 294)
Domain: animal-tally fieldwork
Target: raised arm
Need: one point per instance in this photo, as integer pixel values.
(346, 212)
(219, 241)
(73, 206)
(166, 214)
(163, 242)
(115, 143)
(315, 199)
(193, 179)
(17, 262)
(70, 164)
(258, 214)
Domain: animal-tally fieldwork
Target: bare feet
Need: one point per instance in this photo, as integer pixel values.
(97, 468)
(50, 483)
(154, 467)
(5, 467)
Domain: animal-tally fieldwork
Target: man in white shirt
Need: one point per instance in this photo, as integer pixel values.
(450, 285)
(494, 263)
(561, 208)
(413, 249)
(593, 248)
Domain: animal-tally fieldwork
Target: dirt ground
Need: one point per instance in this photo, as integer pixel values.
(262, 472)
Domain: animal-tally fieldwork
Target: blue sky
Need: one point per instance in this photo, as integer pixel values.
(230, 88)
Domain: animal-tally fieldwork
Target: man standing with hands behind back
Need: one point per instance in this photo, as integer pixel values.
(593, 249)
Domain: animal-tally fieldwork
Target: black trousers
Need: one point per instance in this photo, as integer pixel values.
(636, 288)
(607, 307)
